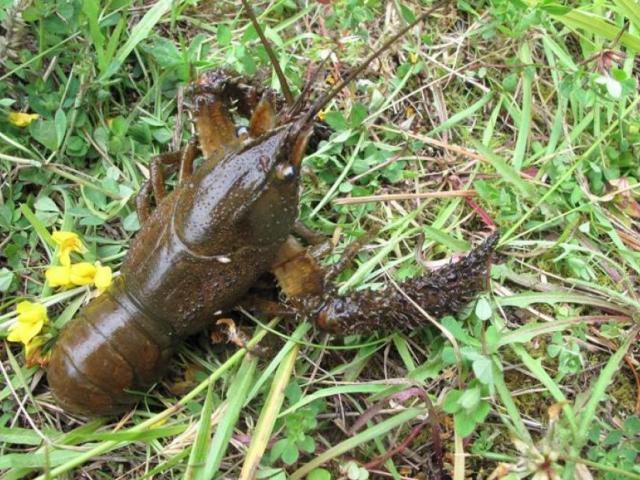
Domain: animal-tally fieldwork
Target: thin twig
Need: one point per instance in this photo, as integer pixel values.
(405, 196)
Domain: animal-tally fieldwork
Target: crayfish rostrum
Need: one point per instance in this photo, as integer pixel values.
(207, 242)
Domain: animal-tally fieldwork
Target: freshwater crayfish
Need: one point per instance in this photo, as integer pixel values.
(207, 242)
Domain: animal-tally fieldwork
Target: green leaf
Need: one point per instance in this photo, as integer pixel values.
(223, 34)
(60, 122)
(19, 436)
(632, 425)
(44, 132)
(358, 114)
(290, 454)
(451, 402)
(458, 332)
(165, 52)
(353, 471)
(463, 424)
(483, 369)
(279, 447)
(308, 444)
(45, 204)
(470, 398)
(6, 277)
(336, 120)
(483, 309)
(407, 14)
(319, 474)
(481, 412)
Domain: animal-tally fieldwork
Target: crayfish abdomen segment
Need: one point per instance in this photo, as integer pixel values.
(110, 347)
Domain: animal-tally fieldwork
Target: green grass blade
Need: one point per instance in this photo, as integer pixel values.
(268, 415)
(600, 387)
(631, 9)
(570, 171)
(128, 436)
(524, 126)
(528, 332)
(402, 348)
(462, 115)
(91, 10)
(350, 444)
(491, 124)
(331, 391)
(114, 38)
(198, 456)
(596, 25)
(523, 300)
(38, 226)
(294, 340)
(535, 367)
(236, 397)
(508, 173)
(507, 400)
(138, 33)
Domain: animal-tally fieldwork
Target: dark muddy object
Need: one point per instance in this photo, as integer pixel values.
(198, 253)
(444, 292)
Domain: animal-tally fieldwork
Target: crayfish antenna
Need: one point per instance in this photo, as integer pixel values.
(299, 104)
(305, 122)
(327, 97)
(272, 56)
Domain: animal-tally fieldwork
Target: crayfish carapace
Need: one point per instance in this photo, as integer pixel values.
(206, 243)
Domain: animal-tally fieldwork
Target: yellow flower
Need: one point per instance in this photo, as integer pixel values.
(31, 319)
(322, 115)
(82, 273)
(413, 58)
(103, 277)
(20, 119)
(31, 347)
(67, 242)
(58, 276)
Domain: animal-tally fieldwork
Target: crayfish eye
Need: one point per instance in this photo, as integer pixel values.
(286, 172)
(242, 132)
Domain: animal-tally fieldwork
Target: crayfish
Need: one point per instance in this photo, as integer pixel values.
(207, 242)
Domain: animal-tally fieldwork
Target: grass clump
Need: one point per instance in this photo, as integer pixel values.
(527, 112)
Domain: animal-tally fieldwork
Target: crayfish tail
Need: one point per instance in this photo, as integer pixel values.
(443, 292)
